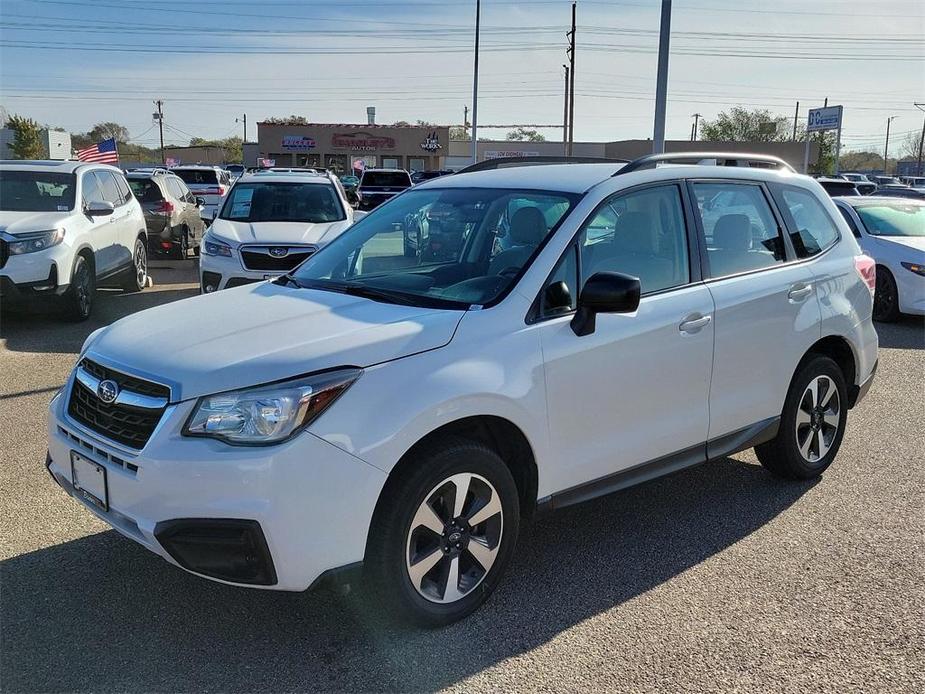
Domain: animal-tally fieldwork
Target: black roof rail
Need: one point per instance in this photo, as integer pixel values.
(727, 159)
(511, 162)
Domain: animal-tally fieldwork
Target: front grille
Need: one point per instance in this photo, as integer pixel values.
(125, 424)
(4, 252)
(262, 260)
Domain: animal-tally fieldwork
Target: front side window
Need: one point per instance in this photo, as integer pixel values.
(36, 191)
(900, 218)
(815, 229)
(444, 247)
(739, 226)
(315, 203)
(641, 234)
(92, 192)
(109, 187)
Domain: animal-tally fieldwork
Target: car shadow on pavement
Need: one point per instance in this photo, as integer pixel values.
(102, 614)
(906, 333)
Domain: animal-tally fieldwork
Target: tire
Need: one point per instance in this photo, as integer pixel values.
(137, 278)
(804, 450)
(886, 297)
(180, 249)
(78, 299)
(409, 563)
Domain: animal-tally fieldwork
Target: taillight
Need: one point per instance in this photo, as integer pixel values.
(867, 269)
(166, 207)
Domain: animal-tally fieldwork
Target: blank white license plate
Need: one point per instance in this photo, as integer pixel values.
(89, 480)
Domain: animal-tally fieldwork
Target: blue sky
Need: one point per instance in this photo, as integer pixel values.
(72, 63)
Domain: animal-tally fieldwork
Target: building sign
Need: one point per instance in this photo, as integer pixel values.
(828, 118)
(297, 143)
(362, 142)
(505, 153)
(431, 143)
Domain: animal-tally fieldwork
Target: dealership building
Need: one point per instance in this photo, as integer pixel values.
(342, 146)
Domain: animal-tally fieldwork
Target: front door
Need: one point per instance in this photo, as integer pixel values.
(635, 390)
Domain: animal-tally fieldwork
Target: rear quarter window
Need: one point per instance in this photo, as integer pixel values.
(813, 230)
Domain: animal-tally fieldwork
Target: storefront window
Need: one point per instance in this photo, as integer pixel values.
(416, 164)
(390, 163)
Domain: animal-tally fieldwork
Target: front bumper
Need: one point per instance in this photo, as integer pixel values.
(313, 502)
(27, 292)
(911, 290)
(222, 272)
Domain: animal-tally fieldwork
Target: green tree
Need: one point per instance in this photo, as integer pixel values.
(744, 125)
(525, 135)
(457, 132)
(27, 139)
(105, 131)
(287, 120)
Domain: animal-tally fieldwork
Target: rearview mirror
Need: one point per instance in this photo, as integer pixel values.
(605, 292)
(200, 201)
(100, 209)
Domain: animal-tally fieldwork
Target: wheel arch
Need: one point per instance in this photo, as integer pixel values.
(842, 353)
(87, 252)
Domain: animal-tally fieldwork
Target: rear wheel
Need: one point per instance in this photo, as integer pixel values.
(78, 300)
(444, 533)
(137, 278)
(181, 247)
(812, 423)
(886, 297)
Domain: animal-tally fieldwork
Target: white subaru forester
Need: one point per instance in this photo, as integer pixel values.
(580, 329)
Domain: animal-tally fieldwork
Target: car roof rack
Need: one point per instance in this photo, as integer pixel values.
(511, 162)
(700, 159)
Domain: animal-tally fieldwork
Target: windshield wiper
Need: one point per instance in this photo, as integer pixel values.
(376, 294)
(288, 280)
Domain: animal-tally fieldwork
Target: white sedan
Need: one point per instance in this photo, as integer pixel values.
(892, 232)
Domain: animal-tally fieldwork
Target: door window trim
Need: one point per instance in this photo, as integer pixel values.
(694, 261)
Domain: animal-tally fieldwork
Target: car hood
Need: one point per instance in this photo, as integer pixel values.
(23, 222)
(916, 242)
(278, 232)
(262, 333)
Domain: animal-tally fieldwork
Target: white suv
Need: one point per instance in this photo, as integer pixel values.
(65, 227)
(268, 224)
(594, 327)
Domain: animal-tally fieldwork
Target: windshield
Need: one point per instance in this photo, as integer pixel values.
(36, 191)
(201, 177)
(443, 247)
(283, 202)
(893, 219)
(386, 179)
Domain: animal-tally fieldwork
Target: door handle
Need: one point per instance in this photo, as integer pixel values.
(692, 325)
(798, 292)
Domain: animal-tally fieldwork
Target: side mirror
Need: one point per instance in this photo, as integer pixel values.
(557, 297)
(200, 201)
(358, 215)
(604, 292)
(100, 209)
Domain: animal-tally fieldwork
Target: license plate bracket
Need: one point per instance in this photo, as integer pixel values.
(90, 481)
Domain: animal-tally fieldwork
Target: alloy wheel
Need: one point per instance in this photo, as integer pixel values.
(81, 283)
(817, 420)
(454, 538)
(884, 296)
(141, 265)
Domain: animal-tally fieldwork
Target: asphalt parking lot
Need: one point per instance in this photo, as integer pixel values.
(718, 578)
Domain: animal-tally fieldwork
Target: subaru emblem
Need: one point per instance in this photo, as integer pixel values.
(107, 391)
(279, 251)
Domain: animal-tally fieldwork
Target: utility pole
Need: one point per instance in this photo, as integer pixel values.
(886, 147)
(466, 117)
(475, 83)
(661, 86)
(696, 126)
(571, 84)
(238, 120)
(565, 112)
(796, 117)
(160, 125)
(918, 164)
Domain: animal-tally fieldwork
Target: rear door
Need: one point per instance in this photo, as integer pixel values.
(122, 226)
(766, 314)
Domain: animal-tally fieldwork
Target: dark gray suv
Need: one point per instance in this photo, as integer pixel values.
(172, 212)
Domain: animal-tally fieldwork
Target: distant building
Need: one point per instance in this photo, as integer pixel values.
(198, 154)
(57, 144)
(910, 167)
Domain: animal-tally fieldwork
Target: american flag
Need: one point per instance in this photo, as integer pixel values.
(101, 153)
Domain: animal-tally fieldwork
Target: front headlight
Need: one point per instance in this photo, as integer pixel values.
(917, 268)
(211, 245)
(268, 414)
(36, 241)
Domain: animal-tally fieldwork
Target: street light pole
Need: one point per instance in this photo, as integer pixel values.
(565, 113)
(918, 164)
(475, 83)
(571, 87)
(886, 147)
(697, 117)
(661, 88)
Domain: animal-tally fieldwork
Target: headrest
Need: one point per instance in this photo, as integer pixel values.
(633, 233)
(733, 232)
(528, 227)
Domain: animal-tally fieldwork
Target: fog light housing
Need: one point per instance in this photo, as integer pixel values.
(228, 549)
(210, 282)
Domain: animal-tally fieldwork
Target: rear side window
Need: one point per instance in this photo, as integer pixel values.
(815, 230)
(109, 187)
(740, 228)
(123, 188)
(173, 185)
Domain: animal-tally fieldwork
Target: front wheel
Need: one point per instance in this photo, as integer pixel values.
(78, 300)
(443, 533)
(812, 423)
(137, 278)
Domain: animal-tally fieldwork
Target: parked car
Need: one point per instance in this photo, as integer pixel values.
(901, 192)
(270, 223)
(892, 232)
(917, 182)
(172, 213)
(365, 414)
(65, 228)
(838, 186)
(211, 183)
(236, 170)
(421, 176)
(864, 185)
(885, 180)
(378, 185)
